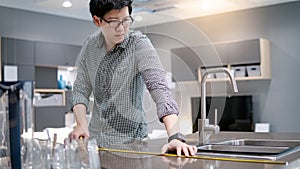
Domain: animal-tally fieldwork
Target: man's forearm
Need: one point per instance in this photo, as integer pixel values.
(171, 124)
(80, 115)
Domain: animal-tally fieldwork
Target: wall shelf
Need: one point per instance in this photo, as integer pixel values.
(49, 97)
(251, 54)
(244, 56)
(233, 53)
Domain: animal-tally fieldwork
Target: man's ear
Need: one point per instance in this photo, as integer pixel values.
(97, 20)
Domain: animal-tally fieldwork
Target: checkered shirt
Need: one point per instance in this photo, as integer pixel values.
(117, 79)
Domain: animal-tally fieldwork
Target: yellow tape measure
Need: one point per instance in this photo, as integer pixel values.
(198, 157)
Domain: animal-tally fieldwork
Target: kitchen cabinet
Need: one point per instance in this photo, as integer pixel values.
(26, 52)
(251, 54)
(68, 95)
(17, 51)
(26, 72)
(37, 60)
(49, 54)
(185, 61)
(244, 52)
(8, 51)
(71, 53)
(56, 54)
(50, 108)
(46, 77)
(20, 53)
(49, 97)
(49, 117)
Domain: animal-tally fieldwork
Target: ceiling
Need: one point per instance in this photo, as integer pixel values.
(146, 12)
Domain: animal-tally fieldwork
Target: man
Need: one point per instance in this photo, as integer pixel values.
(115, 64)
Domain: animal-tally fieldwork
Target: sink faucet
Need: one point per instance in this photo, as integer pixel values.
(205, 129)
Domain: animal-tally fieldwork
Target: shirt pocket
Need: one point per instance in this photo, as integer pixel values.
(123, 75)
(123, 69)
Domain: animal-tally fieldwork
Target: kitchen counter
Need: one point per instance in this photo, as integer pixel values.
(127, 160)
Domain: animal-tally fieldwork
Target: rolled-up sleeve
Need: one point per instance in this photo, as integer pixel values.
(82, 87)
(154, 76)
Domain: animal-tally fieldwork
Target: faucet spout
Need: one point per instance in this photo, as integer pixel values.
(203, 123)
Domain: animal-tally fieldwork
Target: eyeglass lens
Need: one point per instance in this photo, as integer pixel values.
(125, 22)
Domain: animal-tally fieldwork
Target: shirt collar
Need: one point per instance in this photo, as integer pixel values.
(124, 42)
(101, 43)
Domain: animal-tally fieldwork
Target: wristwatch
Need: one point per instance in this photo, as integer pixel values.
(177, 136)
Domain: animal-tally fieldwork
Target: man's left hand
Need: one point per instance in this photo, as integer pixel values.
(179, 147)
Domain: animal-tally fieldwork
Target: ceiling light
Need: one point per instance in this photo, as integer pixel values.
(70, 69)
(67, 4)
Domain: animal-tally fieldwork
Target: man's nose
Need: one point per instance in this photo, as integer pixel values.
(120, 26)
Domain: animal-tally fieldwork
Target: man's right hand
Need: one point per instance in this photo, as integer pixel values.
(78, 132)
(81, 129)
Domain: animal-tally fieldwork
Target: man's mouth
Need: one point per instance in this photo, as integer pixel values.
(120, 35)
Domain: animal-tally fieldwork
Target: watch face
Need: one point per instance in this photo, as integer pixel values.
(180, 137)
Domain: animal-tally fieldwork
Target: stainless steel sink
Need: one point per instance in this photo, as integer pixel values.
(251, 148)
(262, 142)
(254, 150)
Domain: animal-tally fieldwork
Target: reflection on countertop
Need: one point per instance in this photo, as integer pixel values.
(126, 160)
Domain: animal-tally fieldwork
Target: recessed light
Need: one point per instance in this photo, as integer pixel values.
(67, 4)
(70, 69)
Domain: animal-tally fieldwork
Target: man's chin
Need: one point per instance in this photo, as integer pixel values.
(118, 41)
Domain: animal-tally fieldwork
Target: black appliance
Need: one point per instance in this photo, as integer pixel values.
(235, 113)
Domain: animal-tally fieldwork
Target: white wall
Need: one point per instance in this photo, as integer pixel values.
(277, 101)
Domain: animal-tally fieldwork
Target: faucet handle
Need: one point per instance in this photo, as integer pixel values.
(217, 128)
(216, 117)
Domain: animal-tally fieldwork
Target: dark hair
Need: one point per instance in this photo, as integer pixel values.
(101, 7)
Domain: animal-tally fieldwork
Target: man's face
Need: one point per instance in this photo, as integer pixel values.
(113, 30)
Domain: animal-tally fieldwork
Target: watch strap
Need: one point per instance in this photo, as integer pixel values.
(177, 136)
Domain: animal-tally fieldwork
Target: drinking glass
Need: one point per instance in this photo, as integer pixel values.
(82, 154)
(31, 154)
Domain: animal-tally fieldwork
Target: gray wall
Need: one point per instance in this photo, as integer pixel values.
(34, 26)
(280, 24)
(278, 103)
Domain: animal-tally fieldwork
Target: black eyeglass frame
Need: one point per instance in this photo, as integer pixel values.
(119, 22)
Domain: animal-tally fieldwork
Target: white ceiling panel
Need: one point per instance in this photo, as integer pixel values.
(148, 11)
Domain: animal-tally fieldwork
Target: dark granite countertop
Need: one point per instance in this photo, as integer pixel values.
(127, 160)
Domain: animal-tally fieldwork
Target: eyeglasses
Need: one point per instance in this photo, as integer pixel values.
(115, 23)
